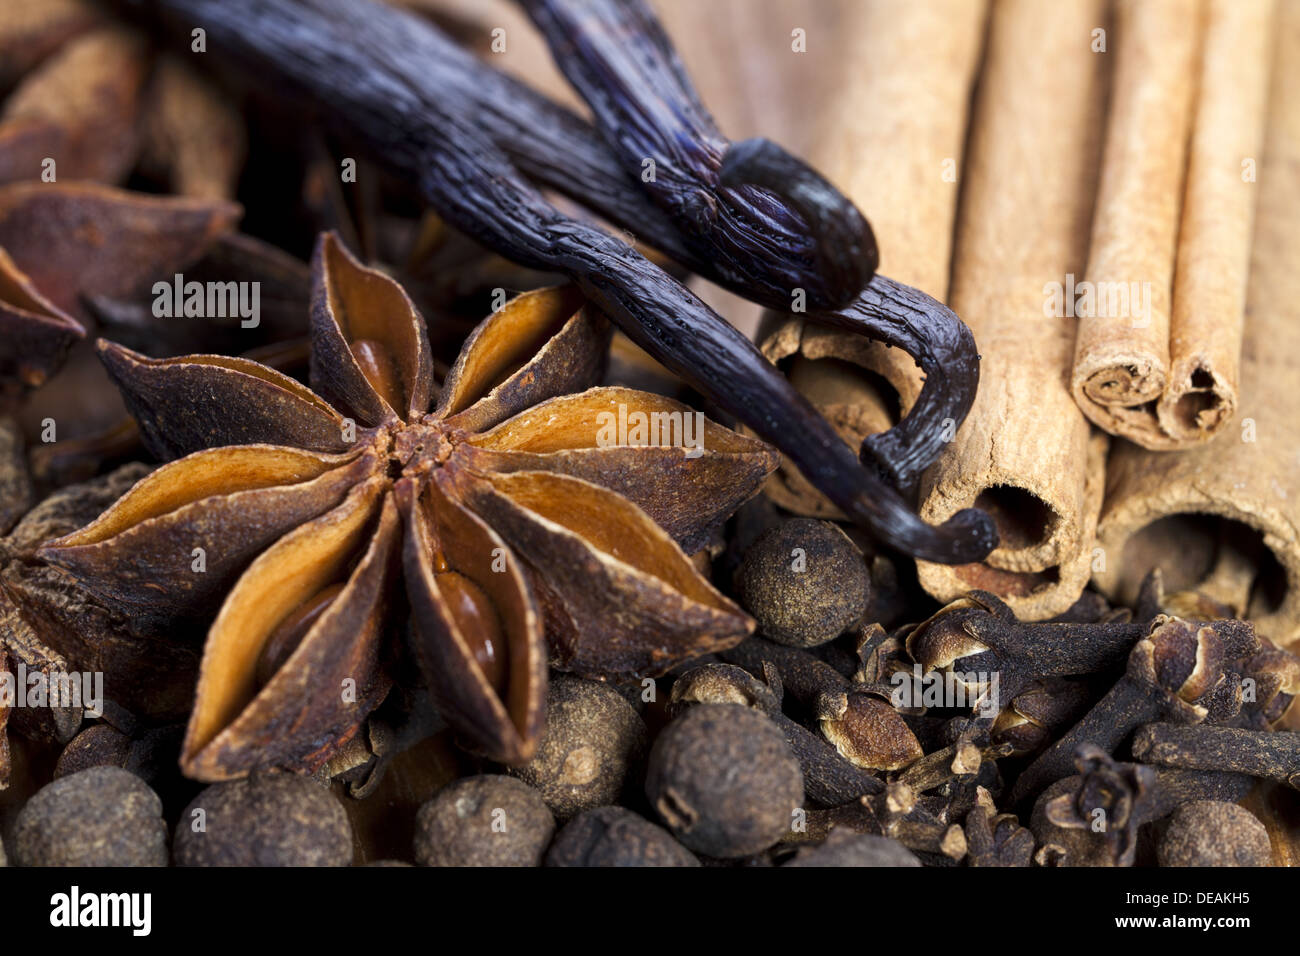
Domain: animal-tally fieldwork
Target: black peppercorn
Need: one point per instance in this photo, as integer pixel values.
(724, 780)
(846, 848)
(805, 583)
(593, 740)
(103, 816)
(488, 820)
(1214, 833)
(266, 819)
(614, 836)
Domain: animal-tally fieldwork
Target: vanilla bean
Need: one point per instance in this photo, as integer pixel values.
(402, 113)
(736, 204)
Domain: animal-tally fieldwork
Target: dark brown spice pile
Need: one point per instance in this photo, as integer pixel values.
(423, 561)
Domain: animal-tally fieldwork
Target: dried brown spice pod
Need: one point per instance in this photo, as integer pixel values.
(487, 820)
(29, 32)
(35, 334)
(6, 676)
(266, 819)
(996, 839)
(16, 494)
(1266, 754)
(864, 729)
(104, 816)
(50, 623)
(1039, 713)
(1092, 819)
(828, 778)
(79, 110)
(74, 239)
(504, 508)
(615, 836)
(192, 134)
(1176, 673)
(593, 742)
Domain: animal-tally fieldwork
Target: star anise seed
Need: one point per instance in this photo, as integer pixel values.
(504, 511)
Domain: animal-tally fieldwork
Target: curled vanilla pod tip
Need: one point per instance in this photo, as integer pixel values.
(697, 182)
(763, 216)
(349, 59)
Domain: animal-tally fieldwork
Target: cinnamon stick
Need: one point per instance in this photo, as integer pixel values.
(1025, 453)
(891, 139)
(1163, 374)
(1223, 517)
(1121, 361)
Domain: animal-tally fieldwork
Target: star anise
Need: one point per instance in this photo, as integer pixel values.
(93, 98)
(506, 509)
(35, 335)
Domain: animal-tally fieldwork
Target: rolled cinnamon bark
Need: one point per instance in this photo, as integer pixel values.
(1025, 453)
(891, 137)
(1224, 518)
(1166, 376)
(1121, 361)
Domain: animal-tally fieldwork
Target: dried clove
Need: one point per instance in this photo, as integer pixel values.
(1092, 819)
(980, 633)
(828, 778)
(1172, 674)
(996, 839)
(1038, 714)
(1261, 753)
(921, 831)
(1275, 678)
(866, 730)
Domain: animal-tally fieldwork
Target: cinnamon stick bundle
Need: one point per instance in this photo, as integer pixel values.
(891, 138)
(1224, 519)
(1025, 453)
(1160, 315)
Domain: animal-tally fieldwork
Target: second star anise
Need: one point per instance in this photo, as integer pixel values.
(293, 512)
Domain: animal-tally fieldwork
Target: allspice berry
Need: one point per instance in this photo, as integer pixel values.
(614, 836)
(103, 816)
(723, 779)
(269, 818)
(489, 820)
(804, 582)
(1214, 833)
(97, 746)
(593, 741)
(846, 848)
